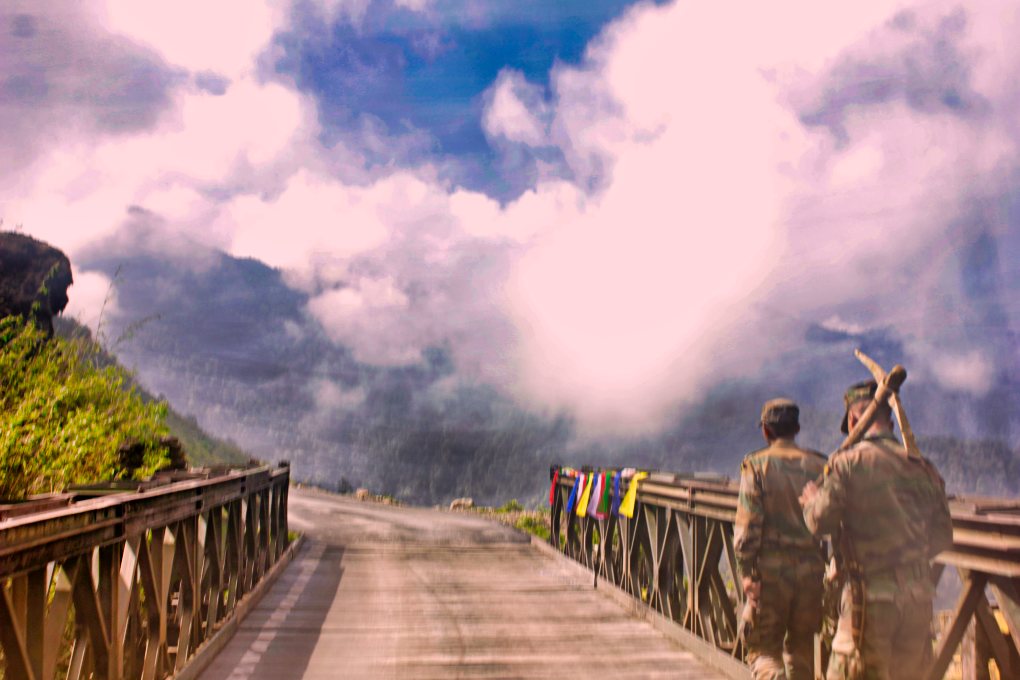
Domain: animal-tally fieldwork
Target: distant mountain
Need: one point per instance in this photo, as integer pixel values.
(229, 343)
(983, 467)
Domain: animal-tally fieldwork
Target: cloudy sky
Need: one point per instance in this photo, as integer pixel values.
(599, 207)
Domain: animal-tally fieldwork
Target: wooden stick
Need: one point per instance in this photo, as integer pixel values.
(886, 389)
(909, 442)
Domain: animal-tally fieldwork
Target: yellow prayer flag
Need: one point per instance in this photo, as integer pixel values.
(630, 498)
(582, 504)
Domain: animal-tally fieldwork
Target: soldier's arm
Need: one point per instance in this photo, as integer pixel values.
(747, 529)
(823, 512)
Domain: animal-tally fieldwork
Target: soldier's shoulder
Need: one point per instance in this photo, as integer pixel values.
(932, 471)
(884, 443)
(866, 455)
(862, 448)
(755, 457)
(813, 462)
(815, 454)
(843, 458)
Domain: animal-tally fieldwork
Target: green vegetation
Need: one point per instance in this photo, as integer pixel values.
(538, 526)
(512, 505)
(201, 448)
(514, 513)
(534, 522)
(64, 415)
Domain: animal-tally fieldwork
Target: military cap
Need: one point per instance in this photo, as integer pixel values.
(780, 412)
(862, 391)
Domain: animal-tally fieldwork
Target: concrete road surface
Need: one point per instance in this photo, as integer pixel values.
(384, 592)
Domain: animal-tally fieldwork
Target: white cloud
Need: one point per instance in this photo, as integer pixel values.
(515, 110)
(697, 197)
(313, 217)
(351, 10)
(369, 317)
(355, 11)
(839, 324)
(622, 307)
(330, 397)
(971, 372)
(170, 144)
(414, 5)
(204, 142)
(223, 36)
(92, 299)
(715, 202)
(536, 211)
(859, 164)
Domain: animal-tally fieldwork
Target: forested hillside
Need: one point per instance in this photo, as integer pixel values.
(201, 448)
(67, 409)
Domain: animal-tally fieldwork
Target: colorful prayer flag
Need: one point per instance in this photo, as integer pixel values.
(627, 505)
(616, 493)
(596, 494)
(582, 502)
(605, 499)
(573, 493)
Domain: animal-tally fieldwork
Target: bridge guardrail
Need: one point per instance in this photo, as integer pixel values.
(676, 555)
(126, 580)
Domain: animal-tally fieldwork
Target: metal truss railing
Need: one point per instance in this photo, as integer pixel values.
(676, 555)
(115, 582)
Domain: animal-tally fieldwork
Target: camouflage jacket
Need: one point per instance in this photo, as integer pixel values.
(893, 507)
(769, 516)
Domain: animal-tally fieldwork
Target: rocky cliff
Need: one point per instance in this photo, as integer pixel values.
(34, 278)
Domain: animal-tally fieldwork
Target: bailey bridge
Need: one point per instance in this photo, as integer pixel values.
(197, 575)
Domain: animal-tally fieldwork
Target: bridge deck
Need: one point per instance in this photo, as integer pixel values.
(382, 592)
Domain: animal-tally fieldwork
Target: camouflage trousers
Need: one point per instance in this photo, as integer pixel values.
(780, 642)
(897, 635)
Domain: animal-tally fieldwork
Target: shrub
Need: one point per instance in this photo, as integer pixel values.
(63, 418)
(539, 526)
(512, 505)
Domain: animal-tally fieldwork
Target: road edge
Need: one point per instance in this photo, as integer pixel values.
(205, 654)
(705, 652)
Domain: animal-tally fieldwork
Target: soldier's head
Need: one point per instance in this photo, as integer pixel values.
(780, 419)
(857, 399)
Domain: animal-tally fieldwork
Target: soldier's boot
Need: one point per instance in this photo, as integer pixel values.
(800, 657)
(766, 635)
(768, 666)
(844, 667)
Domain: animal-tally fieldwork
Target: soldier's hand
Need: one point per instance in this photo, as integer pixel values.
(752, 589)
(808, 494)
(832, 574)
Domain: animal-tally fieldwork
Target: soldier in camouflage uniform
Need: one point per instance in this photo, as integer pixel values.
(779, 560)
(892, 508)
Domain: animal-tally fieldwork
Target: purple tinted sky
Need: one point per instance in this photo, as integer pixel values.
(592, 206)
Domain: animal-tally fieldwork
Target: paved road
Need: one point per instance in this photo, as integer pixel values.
(383, 592)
